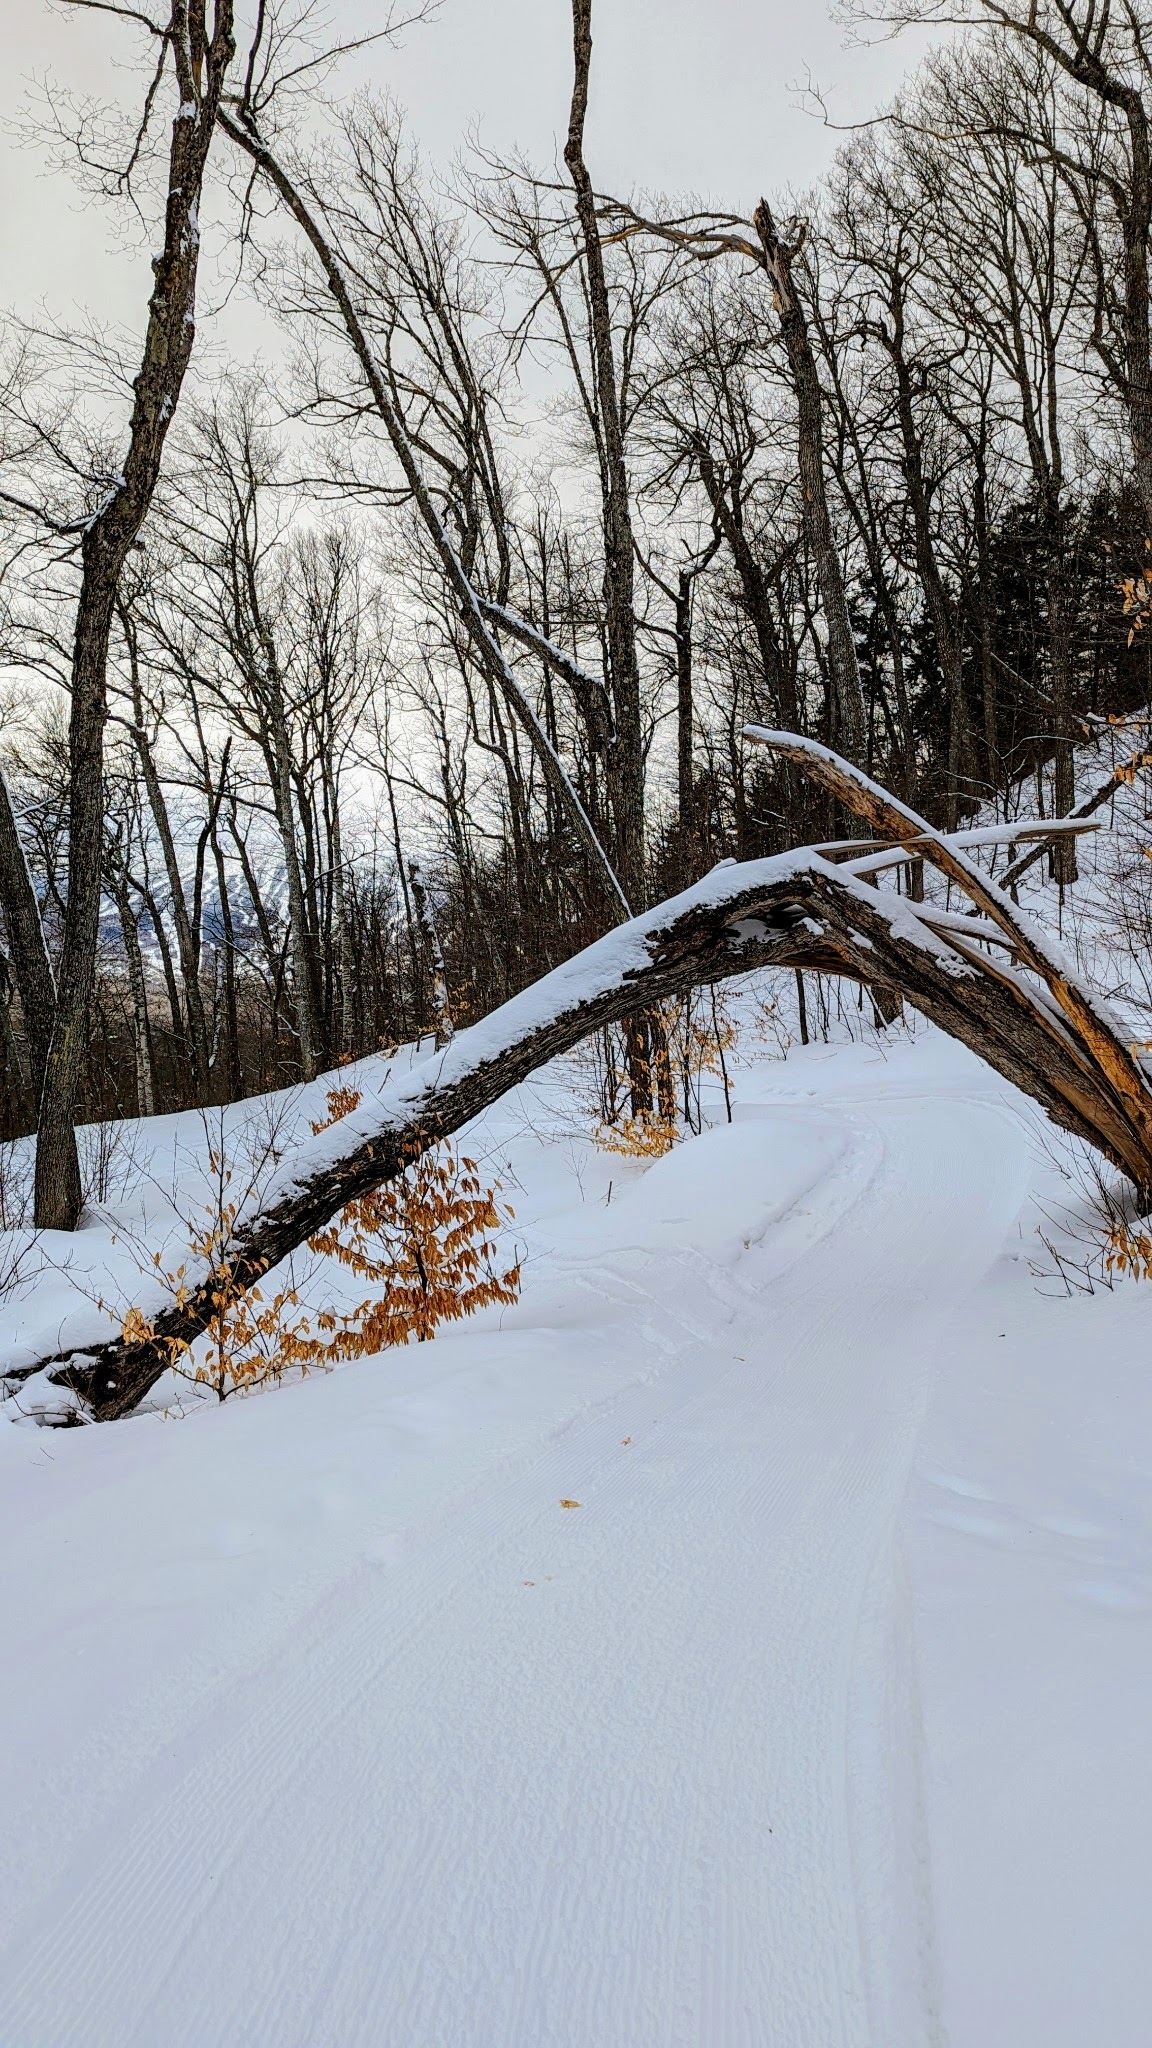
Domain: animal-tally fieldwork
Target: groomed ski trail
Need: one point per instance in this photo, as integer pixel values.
(611, 1776)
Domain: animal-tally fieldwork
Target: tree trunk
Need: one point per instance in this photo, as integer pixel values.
(228, 993)
(685, 772)
(940, 612)
(31, 966)
(1064, 767)
(16, 1098)
(137, 988)
(625, 764)
(201, 67)
(779, 680)
(1136, 230)
(303, 979)
(441, 1005)
(187, 944)
(848, 695)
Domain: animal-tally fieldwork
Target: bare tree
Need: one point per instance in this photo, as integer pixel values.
(305, 207)
(1102, 149)
(200, 47)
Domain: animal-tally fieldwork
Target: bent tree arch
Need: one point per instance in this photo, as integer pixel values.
(987, 976)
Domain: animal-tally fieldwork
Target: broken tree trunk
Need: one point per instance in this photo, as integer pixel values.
(1120, 1083)
(1025, 1014)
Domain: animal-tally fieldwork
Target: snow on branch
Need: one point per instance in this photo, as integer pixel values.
(967, 842)
(1096, 1030)
(587, 689)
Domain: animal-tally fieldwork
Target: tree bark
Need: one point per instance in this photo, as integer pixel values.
(231, 1020)
(685, 714)
(201, 64)
(16, 1099)
(187, 944)
(625, 764)
(1060, 663)
(441, 1006)
(137, 988)
(940, 612)
(848, 694)
(303, 964)
(31, 966)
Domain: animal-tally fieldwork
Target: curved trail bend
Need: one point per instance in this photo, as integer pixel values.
(639, 1772)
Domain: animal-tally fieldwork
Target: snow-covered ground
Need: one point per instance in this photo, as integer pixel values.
(822, 1719)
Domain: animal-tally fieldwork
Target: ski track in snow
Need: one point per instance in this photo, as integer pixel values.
(666, 1792)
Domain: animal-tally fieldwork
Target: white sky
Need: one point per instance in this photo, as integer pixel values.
(688, 95)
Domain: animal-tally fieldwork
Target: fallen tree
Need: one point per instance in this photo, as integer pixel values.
(989, 977)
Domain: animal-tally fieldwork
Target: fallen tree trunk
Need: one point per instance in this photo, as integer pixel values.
(1028, 1018)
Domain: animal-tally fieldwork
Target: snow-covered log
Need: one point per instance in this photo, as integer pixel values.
(1029, 1018)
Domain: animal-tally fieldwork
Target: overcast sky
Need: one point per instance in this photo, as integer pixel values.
(688, 95)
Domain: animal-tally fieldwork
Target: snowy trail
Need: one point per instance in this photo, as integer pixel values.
(639, 1772)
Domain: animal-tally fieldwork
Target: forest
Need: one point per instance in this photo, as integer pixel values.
(357, 688)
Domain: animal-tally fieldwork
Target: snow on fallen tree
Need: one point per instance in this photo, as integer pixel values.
(1028, 1016)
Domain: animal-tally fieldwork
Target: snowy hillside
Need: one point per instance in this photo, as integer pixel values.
(744, 1640)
